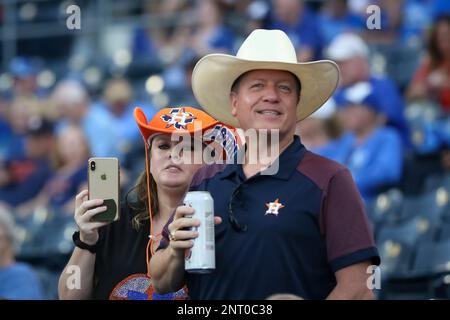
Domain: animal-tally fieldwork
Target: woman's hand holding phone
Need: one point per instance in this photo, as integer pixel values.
(85, 210)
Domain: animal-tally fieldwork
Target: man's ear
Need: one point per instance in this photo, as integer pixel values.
(233, 102)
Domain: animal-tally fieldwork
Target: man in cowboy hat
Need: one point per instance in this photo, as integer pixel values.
(300, 231)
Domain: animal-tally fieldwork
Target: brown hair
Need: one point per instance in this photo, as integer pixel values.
(140, 201)
(436, 57)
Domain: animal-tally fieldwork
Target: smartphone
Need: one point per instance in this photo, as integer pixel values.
(104, 183)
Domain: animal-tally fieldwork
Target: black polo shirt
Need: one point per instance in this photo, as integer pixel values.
(301, 225)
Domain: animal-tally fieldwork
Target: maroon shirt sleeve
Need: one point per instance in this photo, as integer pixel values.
(343, 220)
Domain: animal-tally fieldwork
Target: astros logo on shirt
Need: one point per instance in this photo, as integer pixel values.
(273, 207)
(178, 118)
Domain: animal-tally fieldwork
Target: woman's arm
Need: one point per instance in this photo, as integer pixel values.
(77, 278)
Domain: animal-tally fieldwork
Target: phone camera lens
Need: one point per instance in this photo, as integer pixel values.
(92, 165)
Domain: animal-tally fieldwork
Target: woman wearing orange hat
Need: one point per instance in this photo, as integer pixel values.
(111, 260)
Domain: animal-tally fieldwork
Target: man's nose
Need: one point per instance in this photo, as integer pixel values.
(271, 94)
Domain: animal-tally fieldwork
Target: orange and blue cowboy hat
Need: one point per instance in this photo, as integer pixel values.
(173, 120)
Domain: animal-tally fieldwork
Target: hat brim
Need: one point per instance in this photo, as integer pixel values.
(214, 75)
(147, 131)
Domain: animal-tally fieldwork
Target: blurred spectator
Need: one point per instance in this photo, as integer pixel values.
(435, 135)
(300, 24)
(372, 152)
(256, 14)
(15, 129)
(25, 177)
(17, 280)
(73, 103)
(335, 18)
(5, 133)
(167, 42)
(17, 117)
(207, 35)
(69, 177)
(233, 6)
(416, 20)
(432, 79)
(119, 104)
(24, 72)
(352, 56)
(404, 22)
(389, 23)
(439, 8)
(210, 34)
(184, 96)
(318, 131)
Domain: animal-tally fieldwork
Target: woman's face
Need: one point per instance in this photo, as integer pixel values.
(170, 172)
(72, 145)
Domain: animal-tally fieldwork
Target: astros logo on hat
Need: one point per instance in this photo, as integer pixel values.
(173, 120)
(179, 118)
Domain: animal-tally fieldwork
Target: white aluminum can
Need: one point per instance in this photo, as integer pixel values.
(202, 256)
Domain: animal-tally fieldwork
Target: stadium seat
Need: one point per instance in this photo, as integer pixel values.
(431, 206)
(396, 257)
(443, 231)
(437, 181)
(397, 242)
(385, 208)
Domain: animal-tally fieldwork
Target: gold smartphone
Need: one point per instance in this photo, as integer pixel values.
(104, 183)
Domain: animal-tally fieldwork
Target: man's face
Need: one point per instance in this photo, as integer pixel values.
(352, 71)
(357, 118)
(266, 99)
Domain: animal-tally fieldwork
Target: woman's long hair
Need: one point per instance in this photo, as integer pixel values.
(140, 202)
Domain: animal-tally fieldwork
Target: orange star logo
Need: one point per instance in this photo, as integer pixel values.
(273, 207)
(179, 118)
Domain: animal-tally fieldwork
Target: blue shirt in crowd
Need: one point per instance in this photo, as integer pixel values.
(122, 131)
(28, 177)
(375, 163)
(19, 282)
(333, 26)
(98, 128)
(306, 33)
(391, 104)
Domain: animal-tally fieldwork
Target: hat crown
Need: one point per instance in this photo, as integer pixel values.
(267, 45)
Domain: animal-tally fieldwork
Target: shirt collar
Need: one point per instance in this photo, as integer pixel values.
(287, 162)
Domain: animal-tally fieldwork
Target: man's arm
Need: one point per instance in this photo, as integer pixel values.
(352, 283)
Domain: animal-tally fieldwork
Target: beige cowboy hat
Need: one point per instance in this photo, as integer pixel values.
(214, 74)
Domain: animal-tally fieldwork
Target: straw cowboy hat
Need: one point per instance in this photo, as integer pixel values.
(214, 74)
